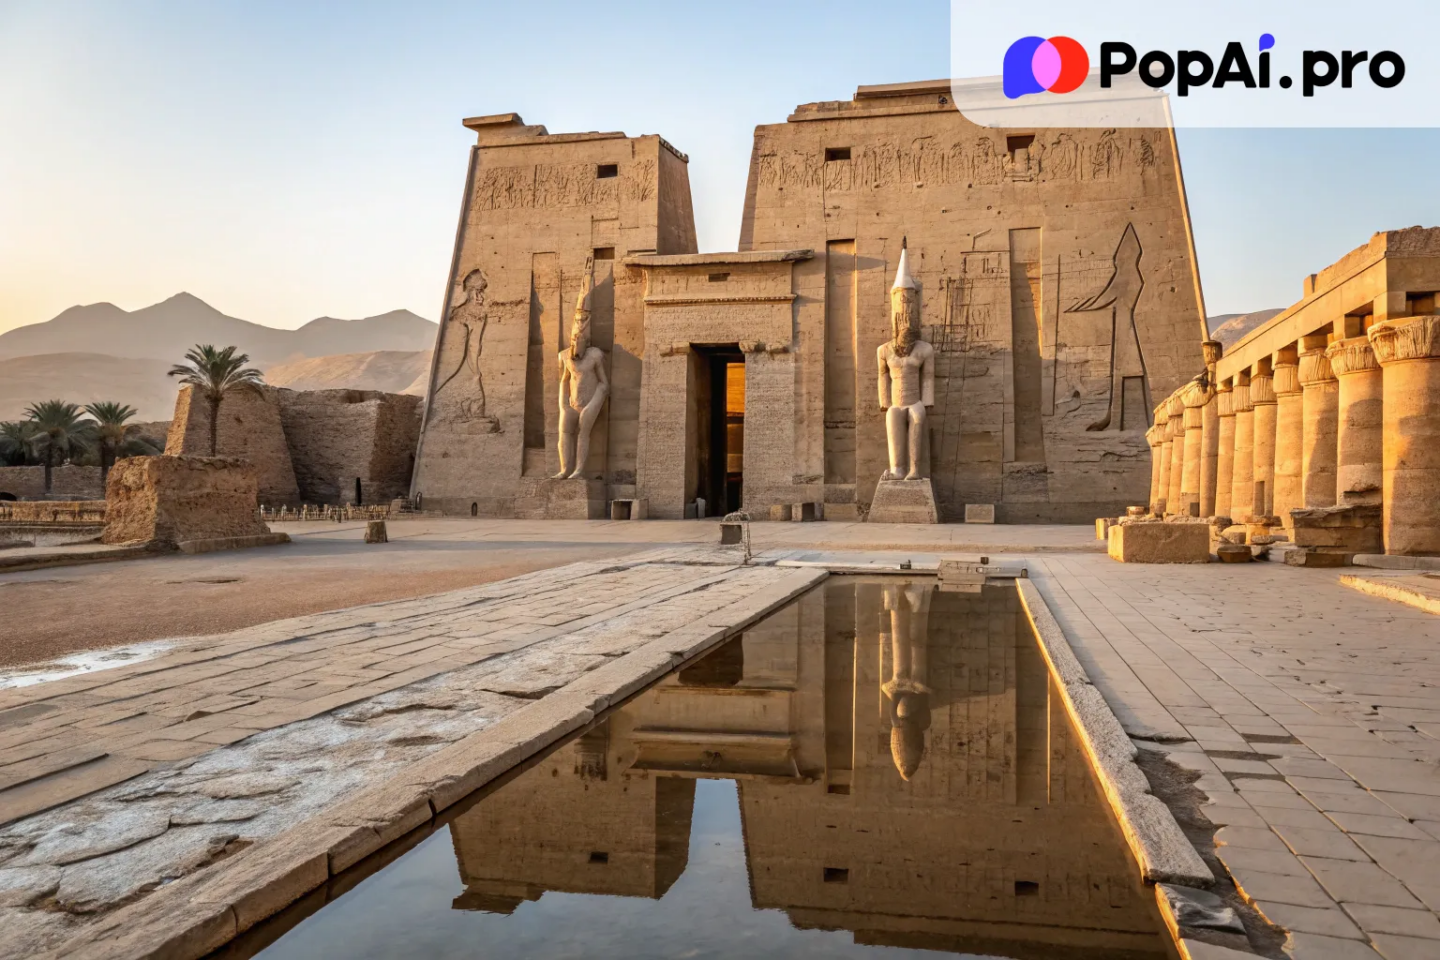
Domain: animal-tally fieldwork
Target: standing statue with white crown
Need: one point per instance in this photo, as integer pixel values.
(907, 378)
(583, 385)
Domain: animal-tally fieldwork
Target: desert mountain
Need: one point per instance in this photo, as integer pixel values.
(84, 378)
(1229, 328)
(394, 371)
(167, 329)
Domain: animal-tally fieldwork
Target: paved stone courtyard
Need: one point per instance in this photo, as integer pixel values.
(1307, 708)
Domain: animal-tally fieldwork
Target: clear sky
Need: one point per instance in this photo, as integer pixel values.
(288, 160)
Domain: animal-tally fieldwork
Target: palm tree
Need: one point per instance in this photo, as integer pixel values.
(110, 431)
(60, 432)
(16, 442)
(214, 373)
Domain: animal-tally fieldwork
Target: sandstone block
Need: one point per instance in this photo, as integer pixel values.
(1355, 528)
(979, 513)
(904, 501)
(1148, 542)
(563, 499)
(1233, 553)
(375, 532)
(174, 499)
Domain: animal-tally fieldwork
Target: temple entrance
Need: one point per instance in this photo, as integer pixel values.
(719, 427)
(359, 494)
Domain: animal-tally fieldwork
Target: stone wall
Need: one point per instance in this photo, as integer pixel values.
(170, 499)
(67, 482)
(250, 427)
(338, 438)
(1058, 289)
(536, 207)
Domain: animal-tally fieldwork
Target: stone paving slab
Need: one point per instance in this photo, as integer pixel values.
(118, 787)
(1311, 714)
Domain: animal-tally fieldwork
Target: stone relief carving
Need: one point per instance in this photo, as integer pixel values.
(907, 377)
(472, 316)
(583, 385)
(1120, 296)
(1098, 156)
(557, 185)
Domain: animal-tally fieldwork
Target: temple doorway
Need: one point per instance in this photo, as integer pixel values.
(719, 452)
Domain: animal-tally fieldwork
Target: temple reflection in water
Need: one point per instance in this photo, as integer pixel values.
(905, 772)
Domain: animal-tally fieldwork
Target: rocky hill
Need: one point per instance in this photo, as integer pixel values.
(85, 378)
(166, 330)
(1230, 328)
(394, 371)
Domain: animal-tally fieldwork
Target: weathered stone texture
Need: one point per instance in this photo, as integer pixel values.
(172, 499)
(1153, 541)
(250, 428)
(68, 481)
(350, 446)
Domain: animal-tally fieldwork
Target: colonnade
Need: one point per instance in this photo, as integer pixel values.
(1324, 421)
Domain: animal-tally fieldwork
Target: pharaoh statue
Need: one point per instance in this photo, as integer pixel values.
(907, 378)
(907, 697)
(583, 385)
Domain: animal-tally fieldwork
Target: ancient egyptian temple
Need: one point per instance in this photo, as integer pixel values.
(592, 362)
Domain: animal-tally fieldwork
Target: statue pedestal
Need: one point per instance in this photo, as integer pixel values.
(566, 499)
(904, 501)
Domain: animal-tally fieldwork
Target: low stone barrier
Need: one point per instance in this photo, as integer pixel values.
(174, 501)
(53, 511)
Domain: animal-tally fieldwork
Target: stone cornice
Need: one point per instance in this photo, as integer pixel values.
(671, 301)
(1406, 338)
(1262, 391)
(1354, 355)
(1315, 368)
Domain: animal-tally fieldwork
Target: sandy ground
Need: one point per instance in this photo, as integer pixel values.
(50, 613)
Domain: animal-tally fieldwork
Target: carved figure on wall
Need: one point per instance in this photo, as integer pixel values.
(583, 385)
(471, 315)
(1121, 294)
(907, 377)
(907, 694)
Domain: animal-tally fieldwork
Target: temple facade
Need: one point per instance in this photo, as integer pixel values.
(1054, 270)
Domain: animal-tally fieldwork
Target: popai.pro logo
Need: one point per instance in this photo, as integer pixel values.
(1060, 65)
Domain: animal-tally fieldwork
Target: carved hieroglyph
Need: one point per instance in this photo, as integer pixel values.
(1120, 296)
(907, 377)
(471, 315)
(583, 385)
(907, 693)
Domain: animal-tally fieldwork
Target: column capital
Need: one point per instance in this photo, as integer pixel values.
(1352, 355)
(1406, 338)
(1155, 436)
(1262, 391)
(1315, 368)
(1240, 397)
(1175, 405)
(1162, 414)
(1225, 400)
(1213, 351)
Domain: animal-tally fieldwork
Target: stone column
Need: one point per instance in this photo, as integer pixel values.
(1262, 398)
(1409, 353)
(1210, 432)
(1162, 427)
(1155, 436)
(1289, 493)
(1359, 430)
(1175, 499)
(1319, 415)
(1224, 408)
(1242, 480)
(1195, 396)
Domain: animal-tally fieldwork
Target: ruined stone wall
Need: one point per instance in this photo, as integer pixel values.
(535, 207)
(250, 427)
(171, 499)
(339, 437)
(1058, 288)
(68, 481)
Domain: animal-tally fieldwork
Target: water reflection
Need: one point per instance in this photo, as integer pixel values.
(904, 776)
